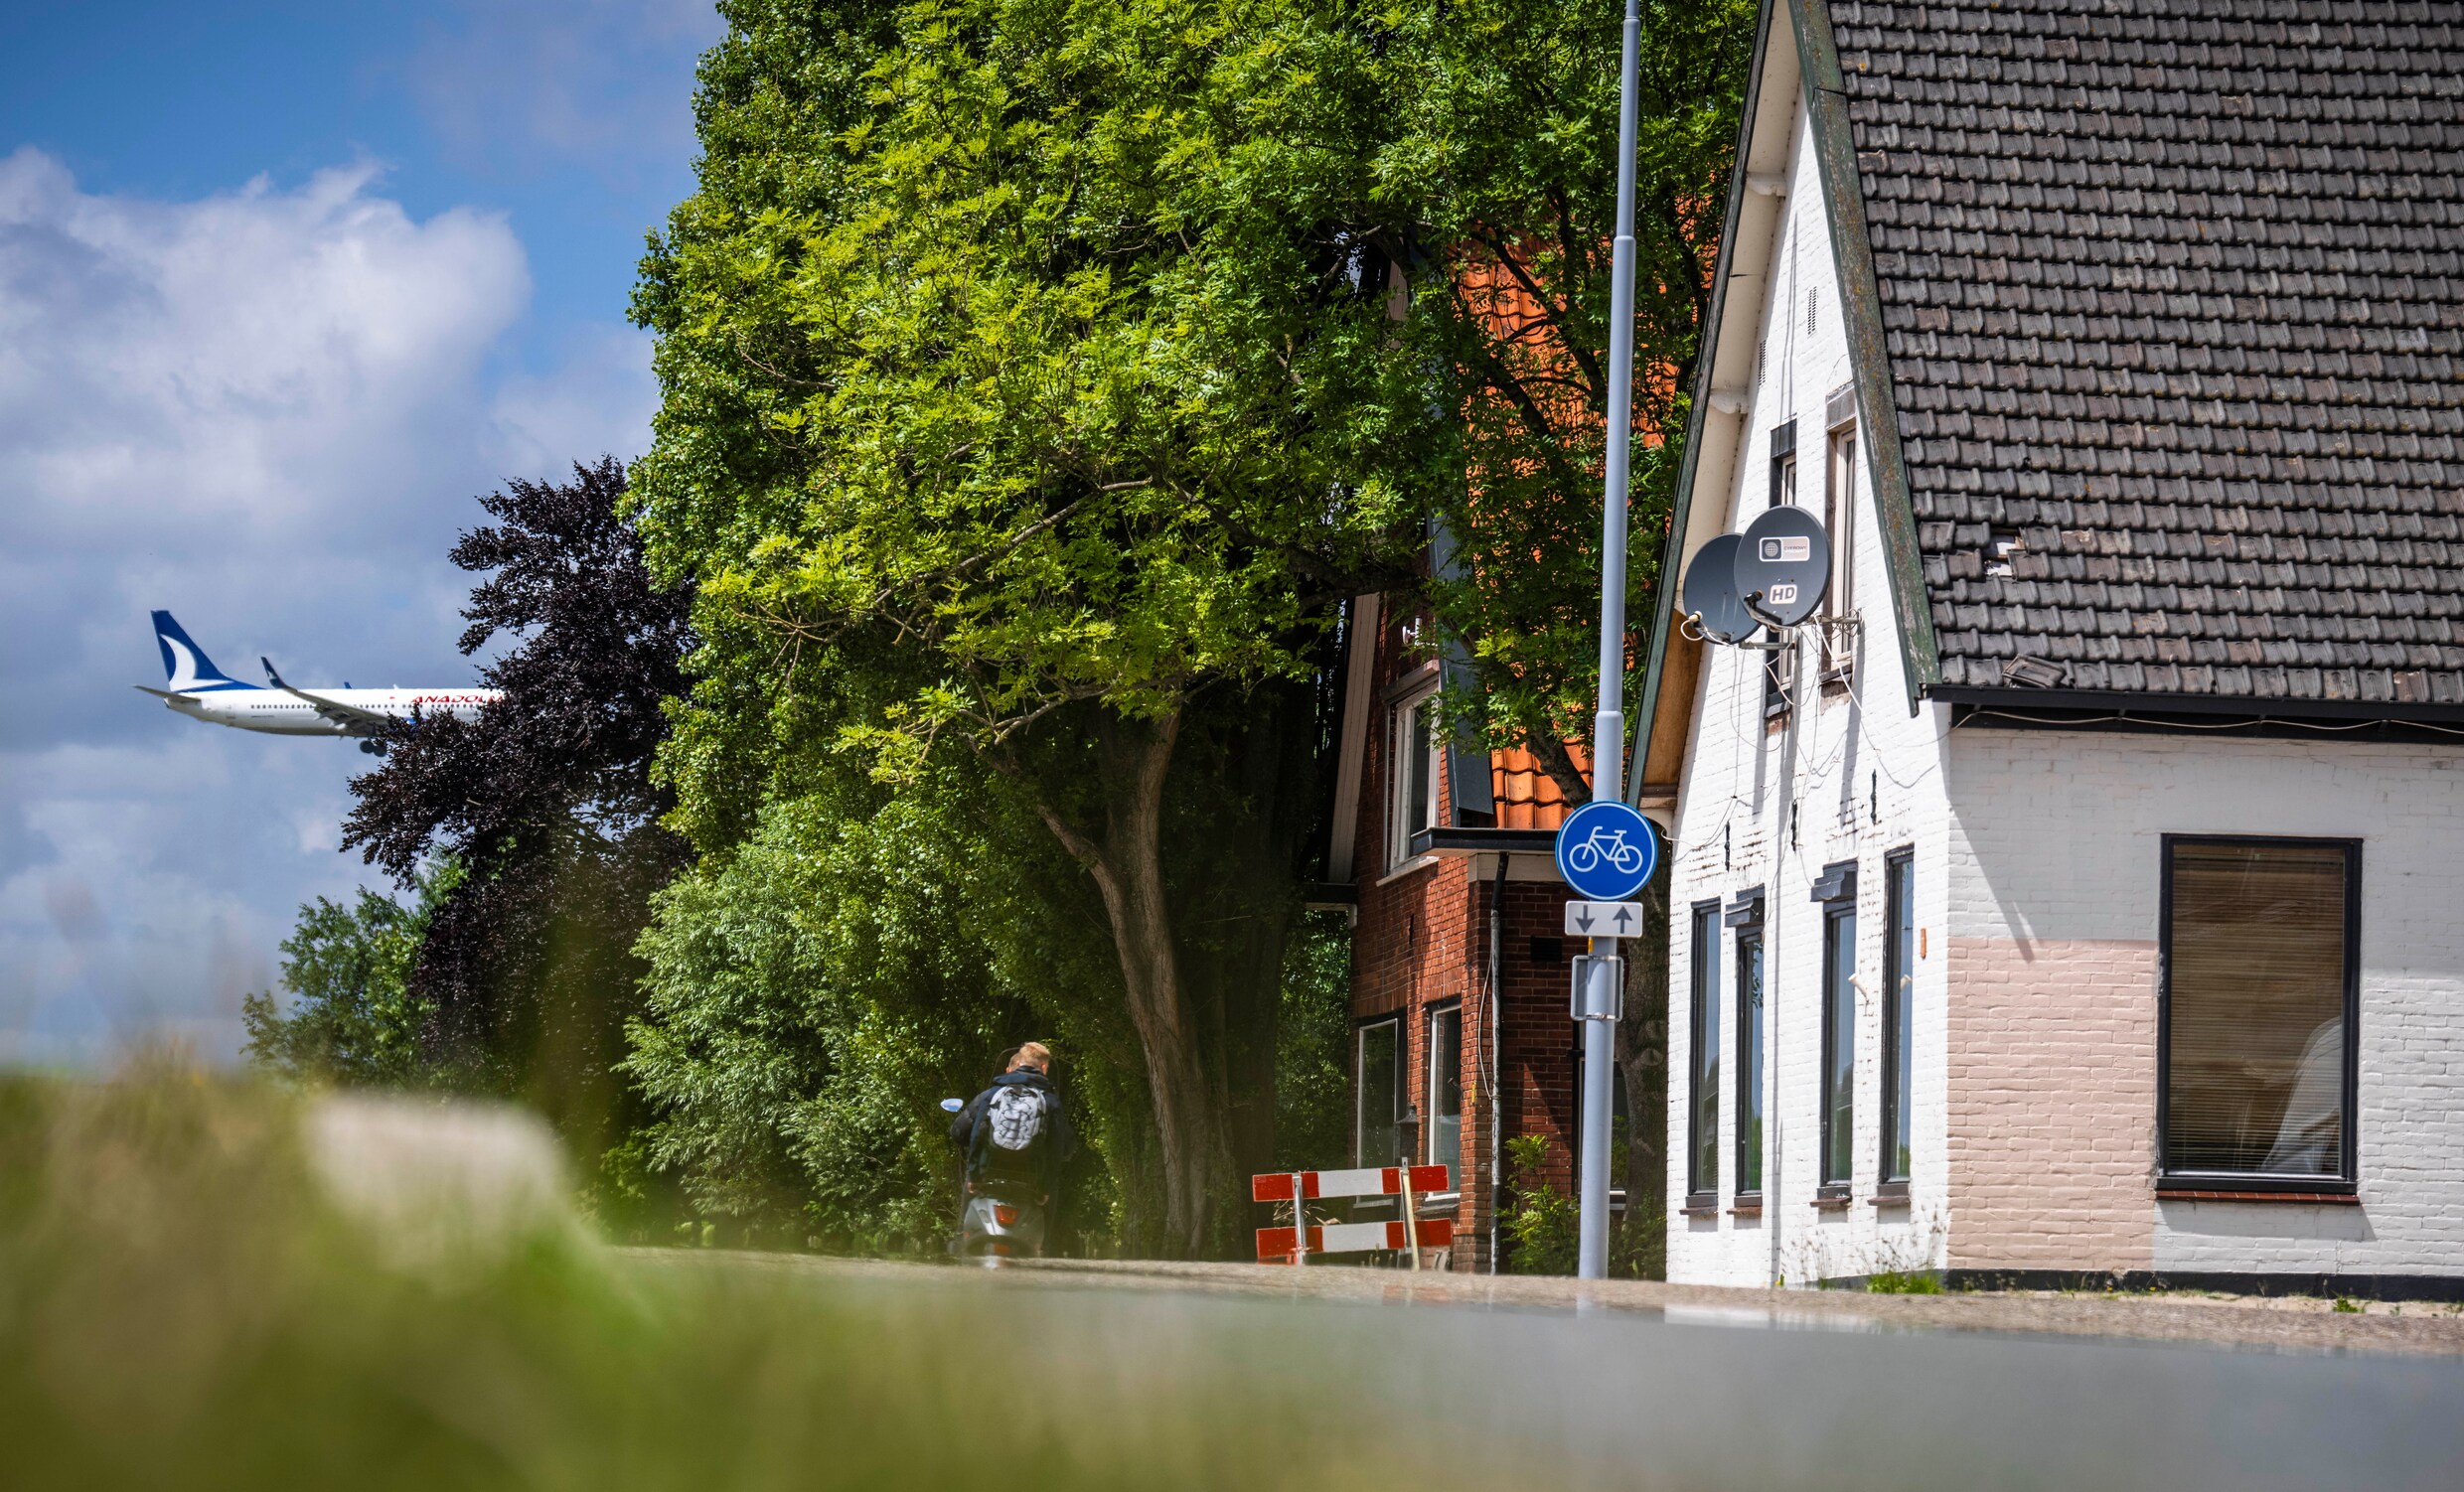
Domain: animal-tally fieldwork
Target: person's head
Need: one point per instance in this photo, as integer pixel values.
(1035, 1056)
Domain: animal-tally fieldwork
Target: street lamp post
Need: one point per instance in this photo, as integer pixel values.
(1609, 724)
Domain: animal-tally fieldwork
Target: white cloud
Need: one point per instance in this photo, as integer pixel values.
(267, 410)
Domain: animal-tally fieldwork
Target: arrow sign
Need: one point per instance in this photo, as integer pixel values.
(1603, 919)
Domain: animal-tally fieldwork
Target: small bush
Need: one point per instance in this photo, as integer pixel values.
(1541, 1223)
(1902, 1283)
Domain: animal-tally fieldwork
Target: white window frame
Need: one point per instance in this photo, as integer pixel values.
(1839, 459)
(1400, 787)
(1428, 1083)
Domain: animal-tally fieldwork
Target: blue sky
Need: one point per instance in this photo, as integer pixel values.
(282, 287)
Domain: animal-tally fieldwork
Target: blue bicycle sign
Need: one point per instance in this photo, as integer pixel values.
(1606, 852)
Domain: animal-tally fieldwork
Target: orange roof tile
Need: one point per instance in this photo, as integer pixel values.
(1528, 797)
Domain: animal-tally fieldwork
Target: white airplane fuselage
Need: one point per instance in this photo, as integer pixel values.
(282, 713)
(195, 687)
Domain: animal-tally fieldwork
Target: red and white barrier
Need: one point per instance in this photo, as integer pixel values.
(1295, 1188)
(1275, 1245)
(1376, 1181)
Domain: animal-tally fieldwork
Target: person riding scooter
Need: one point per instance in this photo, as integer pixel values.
(1017, 1139)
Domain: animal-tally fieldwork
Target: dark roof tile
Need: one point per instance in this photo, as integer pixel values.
(2175, 288)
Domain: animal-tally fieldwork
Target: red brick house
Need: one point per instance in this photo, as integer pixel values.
(1460, 973)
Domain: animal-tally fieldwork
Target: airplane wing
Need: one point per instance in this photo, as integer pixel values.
(159, 693)
(349, 717)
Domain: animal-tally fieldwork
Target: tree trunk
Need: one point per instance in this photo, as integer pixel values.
(1126, 858)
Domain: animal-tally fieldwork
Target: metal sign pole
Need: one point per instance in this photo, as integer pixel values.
(1608, 726)
(1299, 1219)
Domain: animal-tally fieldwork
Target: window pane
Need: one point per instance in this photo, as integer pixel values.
(1899, 1020)
(1703, 1110)
(1423, 780)
(1446, 1091)
(1381, 1136)
(1750, 1060)
(2254, 1009)
(1839, 1043)
(1838, 650)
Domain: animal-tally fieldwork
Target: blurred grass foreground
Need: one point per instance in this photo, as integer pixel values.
(206, 1283)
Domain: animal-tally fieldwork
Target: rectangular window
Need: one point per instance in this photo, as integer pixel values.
(1780, 667)
(1778, 676)
(1899, 1013)
(2261, 953)
(1379, 1135)
(1413, 796)
(1702, 1165)
(1839, 1023)
(1750, 1054)
(1839, 519)
(1784, 463)
(1445, 1109)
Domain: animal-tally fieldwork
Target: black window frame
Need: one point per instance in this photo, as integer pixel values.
(1899, 1018)
(1702, 1111)
(1745, 918)
(2348, 1180)
(1837, 1091)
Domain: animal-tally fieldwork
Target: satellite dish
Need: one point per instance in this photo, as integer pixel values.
(1783, 565)
(1709, 591)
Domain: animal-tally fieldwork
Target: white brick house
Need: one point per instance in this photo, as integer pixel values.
(2102, 853)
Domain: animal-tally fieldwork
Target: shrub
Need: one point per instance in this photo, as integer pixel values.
(1541, 1222)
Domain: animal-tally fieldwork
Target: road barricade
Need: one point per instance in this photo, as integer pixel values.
(1294, 1244)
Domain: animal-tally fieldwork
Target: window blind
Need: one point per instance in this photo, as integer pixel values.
(2255, 998)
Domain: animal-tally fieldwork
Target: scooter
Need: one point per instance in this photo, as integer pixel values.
(997, 1219)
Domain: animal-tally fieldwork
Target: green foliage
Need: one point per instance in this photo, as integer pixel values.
(353, 1019)
(1037, 378)
(1540, 1221)
(1032, 403)
(1904, 1283)
(1049, 363)
(811, 996)
(1504, 147)
(1313, 1060)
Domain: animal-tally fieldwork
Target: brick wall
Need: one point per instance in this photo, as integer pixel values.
(2053, 1103)
(1421, 941)
(2060, 841)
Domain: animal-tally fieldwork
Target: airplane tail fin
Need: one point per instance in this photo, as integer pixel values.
(185, 663)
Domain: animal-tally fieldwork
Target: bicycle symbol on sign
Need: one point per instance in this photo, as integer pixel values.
(1608, 844)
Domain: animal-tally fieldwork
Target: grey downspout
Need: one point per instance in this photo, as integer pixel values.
(1496, 1042)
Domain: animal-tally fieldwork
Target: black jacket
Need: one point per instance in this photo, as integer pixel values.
(1041, 1161)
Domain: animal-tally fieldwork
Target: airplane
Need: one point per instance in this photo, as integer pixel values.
(202, 691)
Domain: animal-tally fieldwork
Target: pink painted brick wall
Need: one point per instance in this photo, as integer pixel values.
(2053, 1103)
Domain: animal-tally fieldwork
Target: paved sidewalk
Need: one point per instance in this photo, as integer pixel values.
(2299, 1325)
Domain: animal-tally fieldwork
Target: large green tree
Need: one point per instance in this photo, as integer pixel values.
(1036, 359)
(1038, 376)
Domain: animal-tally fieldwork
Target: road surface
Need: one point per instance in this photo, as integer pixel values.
(1745, 1390)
